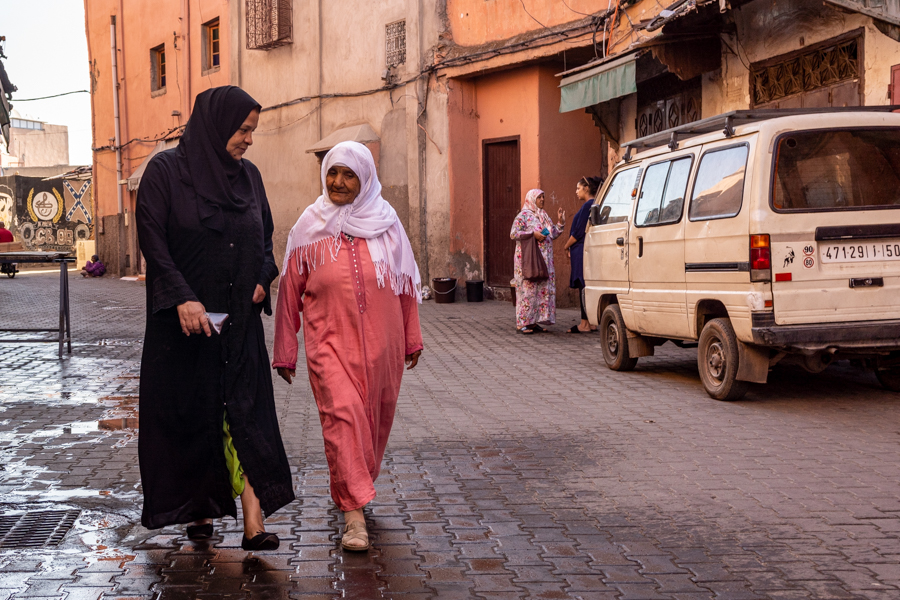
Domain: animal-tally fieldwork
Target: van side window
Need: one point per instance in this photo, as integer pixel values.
(719, 188)
(662, 195)
(616, 204)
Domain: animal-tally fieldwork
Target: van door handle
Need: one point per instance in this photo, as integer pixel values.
(640, 246)
(620, 241)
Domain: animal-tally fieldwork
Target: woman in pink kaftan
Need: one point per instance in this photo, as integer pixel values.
(349, 268)
(535, 300)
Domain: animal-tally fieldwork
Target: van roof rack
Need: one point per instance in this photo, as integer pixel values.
(726, 122)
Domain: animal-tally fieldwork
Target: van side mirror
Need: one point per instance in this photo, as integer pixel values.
(599, 214)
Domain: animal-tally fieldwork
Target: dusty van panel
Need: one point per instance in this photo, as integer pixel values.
(606, 250)
(716, 255)
(836, 195)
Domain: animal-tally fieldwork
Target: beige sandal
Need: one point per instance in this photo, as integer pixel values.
(354, 532)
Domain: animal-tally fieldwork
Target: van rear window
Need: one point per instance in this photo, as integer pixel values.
(837, 170)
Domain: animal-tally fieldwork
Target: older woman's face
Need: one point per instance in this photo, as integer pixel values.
(342, 184)
(539, 201)
(243, 137)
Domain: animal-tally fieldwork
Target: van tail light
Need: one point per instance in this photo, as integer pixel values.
(760, 258)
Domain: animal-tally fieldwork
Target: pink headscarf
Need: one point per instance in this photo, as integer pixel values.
(530, 205)
(369, 216)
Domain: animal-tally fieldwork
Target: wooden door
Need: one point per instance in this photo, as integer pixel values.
(502, 201)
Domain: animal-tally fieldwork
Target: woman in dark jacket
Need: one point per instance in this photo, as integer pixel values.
(208, 426)
(585, 190)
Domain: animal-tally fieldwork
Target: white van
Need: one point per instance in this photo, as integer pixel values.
(759, 236)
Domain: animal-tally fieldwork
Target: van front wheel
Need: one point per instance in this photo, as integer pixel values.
(614, 340)
(717, 360)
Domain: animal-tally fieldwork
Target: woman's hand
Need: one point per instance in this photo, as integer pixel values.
(540, 237)
(561, 214)
(412, 359)
(259, 294)
(287, 374)
(568, 254)
(192, 316)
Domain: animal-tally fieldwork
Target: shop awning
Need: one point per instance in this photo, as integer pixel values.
(135, 180)
(598, 84)
(355, 133)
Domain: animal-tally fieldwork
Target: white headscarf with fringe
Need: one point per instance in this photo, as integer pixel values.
(369, 216)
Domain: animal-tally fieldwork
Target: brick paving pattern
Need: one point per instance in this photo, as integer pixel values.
(519, 467)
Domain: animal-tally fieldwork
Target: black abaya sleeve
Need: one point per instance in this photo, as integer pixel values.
(269, 270)
(169, 287)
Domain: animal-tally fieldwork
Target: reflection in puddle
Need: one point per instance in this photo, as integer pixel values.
(118, 424)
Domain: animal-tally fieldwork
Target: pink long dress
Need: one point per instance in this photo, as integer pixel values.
(356, 337)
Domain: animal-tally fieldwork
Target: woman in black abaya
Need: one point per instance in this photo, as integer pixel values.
(208, 426)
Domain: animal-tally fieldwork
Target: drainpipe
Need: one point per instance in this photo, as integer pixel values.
(118, 142)
(186, 52)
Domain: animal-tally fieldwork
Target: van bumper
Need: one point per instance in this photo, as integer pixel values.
(856, 336)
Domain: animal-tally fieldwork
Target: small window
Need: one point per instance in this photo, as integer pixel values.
(719, 189)
(395, 43)
(616, 204)
(662, 193)
(158, 69)
(211, 45)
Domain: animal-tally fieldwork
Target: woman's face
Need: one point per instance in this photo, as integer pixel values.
(243, 137)
(581, 191)
(342, 184)
(539, 201)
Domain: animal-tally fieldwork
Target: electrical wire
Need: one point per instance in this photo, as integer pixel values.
(47, 97)
(575, 11)
(522, 2)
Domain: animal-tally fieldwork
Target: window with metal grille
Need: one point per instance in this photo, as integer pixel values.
(829, 65)
(268, 24)
(395, 43)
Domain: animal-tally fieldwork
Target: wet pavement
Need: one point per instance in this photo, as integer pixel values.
(519, 467)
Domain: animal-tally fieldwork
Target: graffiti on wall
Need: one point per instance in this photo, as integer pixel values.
(49, 215)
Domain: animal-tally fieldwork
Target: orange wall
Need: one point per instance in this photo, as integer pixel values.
(475, 22)
(140, 27)
(556, 150)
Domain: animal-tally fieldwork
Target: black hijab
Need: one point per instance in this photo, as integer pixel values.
(221, 182)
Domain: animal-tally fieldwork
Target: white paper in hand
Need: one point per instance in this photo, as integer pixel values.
(217, 320)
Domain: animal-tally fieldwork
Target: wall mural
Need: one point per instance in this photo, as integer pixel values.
(48, 215)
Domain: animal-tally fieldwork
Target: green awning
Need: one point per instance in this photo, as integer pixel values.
(599, 84)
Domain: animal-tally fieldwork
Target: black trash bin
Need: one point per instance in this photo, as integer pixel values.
(444, 290)
(474, 290)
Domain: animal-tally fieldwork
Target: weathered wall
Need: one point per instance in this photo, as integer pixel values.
(45, 147)
(555, 151)
(321, 62)
(474, 22)
(144, 114)
(47, 215)
(767, 30)
(570, 148)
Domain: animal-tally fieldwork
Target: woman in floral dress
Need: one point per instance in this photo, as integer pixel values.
(535, 300)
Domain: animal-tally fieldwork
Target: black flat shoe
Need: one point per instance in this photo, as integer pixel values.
(260, 541)
(200, 532)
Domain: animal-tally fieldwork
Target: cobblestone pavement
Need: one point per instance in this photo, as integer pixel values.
(518, 467)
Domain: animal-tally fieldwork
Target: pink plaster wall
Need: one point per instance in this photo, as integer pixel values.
(475, 22)
(555, 151)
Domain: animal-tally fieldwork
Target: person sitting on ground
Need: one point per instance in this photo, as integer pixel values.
(6, 235)
(93, 268)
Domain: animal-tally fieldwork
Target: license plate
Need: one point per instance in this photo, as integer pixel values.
(870, 251)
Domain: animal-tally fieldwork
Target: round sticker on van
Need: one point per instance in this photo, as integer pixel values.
(809, 262)
(809, 250)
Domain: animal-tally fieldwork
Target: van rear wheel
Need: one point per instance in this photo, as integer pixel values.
(889, 378)
(717, 361)
(614, 340)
